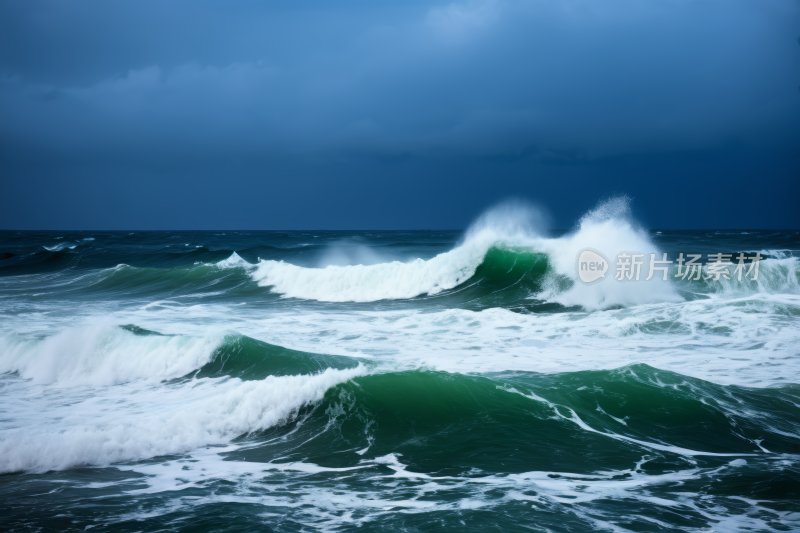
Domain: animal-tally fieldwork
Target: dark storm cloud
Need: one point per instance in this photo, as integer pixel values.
(390, 114)
(477, 77)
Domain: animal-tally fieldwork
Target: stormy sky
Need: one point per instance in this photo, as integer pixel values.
(414, 114)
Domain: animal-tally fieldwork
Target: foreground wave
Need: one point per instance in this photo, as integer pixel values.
(435, 446)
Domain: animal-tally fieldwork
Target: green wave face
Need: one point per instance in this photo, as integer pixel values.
(506, 277)
(505, 267)
(566, 442)
(635, 408)
(241, 357)
(452, 422)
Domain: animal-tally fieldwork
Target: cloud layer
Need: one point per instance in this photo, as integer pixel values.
(478, 77)
(389, 114)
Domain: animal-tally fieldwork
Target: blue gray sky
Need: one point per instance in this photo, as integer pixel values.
(385, 114)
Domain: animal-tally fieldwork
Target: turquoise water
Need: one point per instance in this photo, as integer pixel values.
(395, 381)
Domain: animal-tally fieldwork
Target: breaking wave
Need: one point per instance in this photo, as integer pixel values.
(164, 394)
(543, 267)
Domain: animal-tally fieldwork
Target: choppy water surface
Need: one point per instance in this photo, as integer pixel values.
(404, 380)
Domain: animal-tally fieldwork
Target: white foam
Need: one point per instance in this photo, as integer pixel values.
(609, 229)
(749, 340)
(394, 280)
(778, 275)
(104, 354)
(60, 246)
(234, 261)
(367, 495)
(65, 428)
(742, 341)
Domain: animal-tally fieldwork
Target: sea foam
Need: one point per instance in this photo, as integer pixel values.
(139, 420)
(104, 354)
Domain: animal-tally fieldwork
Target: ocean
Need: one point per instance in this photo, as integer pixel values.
(399, 380)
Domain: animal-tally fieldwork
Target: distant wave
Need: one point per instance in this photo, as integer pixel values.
(498, 237)
(60, 246)
(499, 241)
(503, 260)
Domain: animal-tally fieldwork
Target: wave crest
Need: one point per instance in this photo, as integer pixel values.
(514, 229)
(104, 355)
